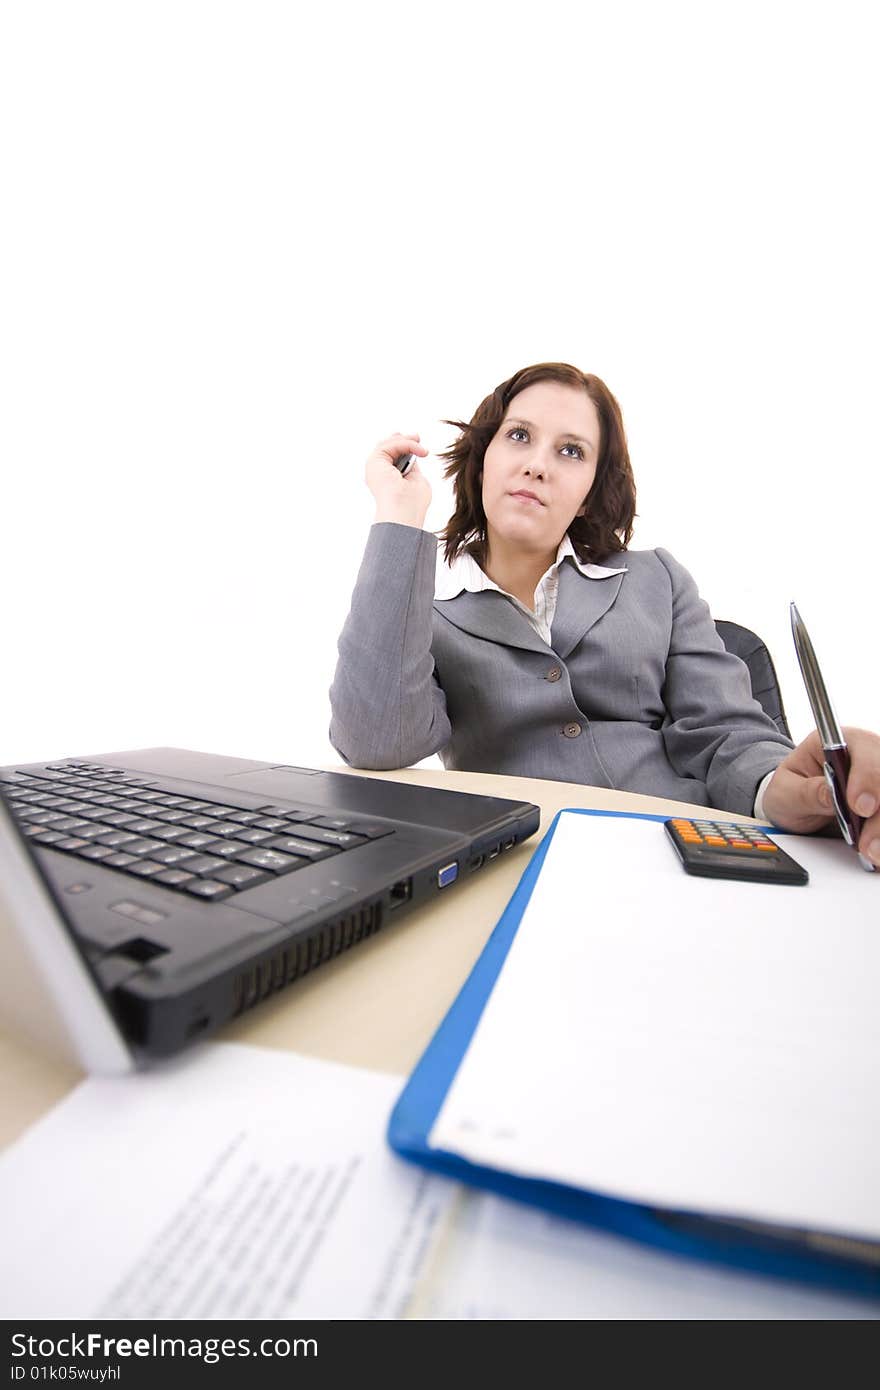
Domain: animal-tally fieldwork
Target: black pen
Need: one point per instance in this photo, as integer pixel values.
(836, 764)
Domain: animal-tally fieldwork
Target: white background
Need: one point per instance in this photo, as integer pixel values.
(241, 242)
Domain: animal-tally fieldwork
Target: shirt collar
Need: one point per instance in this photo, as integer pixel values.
(464, 574)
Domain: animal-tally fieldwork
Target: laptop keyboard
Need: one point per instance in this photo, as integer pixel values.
(204, 848)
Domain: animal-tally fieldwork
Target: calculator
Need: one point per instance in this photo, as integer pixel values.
(723, 849)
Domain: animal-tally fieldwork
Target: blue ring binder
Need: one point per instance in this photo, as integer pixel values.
(777, 1252)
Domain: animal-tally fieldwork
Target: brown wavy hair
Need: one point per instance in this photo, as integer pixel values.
(607, 525)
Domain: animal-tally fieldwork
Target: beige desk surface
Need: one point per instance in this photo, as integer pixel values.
(378, 1005)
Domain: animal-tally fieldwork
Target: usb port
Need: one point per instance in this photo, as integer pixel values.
(494, 853)
(509, 844)
(448, 874)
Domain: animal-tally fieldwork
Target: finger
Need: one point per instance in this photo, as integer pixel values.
(797, 802)
(869, 840)
(816, 798)
(863, 782)
(397, 444)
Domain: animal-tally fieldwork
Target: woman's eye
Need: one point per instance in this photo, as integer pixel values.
(518, 430)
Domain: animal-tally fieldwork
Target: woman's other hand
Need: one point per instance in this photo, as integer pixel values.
(404, 500)
(797, 796)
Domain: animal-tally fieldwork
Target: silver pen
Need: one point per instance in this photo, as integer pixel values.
(836, 766)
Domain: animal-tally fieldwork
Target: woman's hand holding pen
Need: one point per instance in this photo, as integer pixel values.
(797, 796)
(404, 500)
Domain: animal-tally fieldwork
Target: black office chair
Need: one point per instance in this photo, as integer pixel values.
(748, 646)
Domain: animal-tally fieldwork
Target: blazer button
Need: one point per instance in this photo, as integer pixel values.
(554, 673)
(571, 730)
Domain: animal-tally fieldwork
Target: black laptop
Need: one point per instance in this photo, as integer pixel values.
(196, 885)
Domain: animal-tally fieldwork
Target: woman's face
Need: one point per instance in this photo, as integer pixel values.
(540, 466)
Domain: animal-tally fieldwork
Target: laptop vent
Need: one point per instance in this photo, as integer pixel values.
(302, 956)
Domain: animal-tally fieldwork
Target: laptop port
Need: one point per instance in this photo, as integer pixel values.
(494, 853)
(509, 844)
(477, 862)
(401, 892)
(448, 874)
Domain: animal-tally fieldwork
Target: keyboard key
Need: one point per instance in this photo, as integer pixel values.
(95, 852)
(268, 859)
(115, 838)
(343, 838)
(372, 830)
(227, 829)
(174, 854)
(230, 849)
(145, 868)
(143, 846)
(170, 832)
(253, 836)
(194, 839)
(241, 876)
(174, 878)
(119, 860)
(292, 844)
(204, 864)
(208, 888)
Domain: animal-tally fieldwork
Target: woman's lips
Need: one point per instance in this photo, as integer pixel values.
(525, 496)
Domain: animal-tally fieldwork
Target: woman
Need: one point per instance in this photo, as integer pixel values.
(538, 645)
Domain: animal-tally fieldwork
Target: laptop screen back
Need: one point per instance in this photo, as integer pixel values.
(48, 993)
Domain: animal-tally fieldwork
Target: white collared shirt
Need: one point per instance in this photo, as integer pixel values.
(465, 574)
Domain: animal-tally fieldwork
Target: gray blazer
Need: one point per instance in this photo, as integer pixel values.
(637, 691)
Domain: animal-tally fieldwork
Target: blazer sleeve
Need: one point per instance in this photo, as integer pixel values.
(388, 709)
(714, 728)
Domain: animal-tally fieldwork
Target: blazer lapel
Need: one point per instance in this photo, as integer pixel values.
(492, 616)
(580, 604)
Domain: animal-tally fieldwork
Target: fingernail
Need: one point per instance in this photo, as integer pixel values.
(874, 852)
(866, 804)
(825, 796)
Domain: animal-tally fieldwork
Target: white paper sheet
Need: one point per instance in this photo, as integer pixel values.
(499, 1259)
(700, 1044)
(236, 1182)
(245, 1183)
